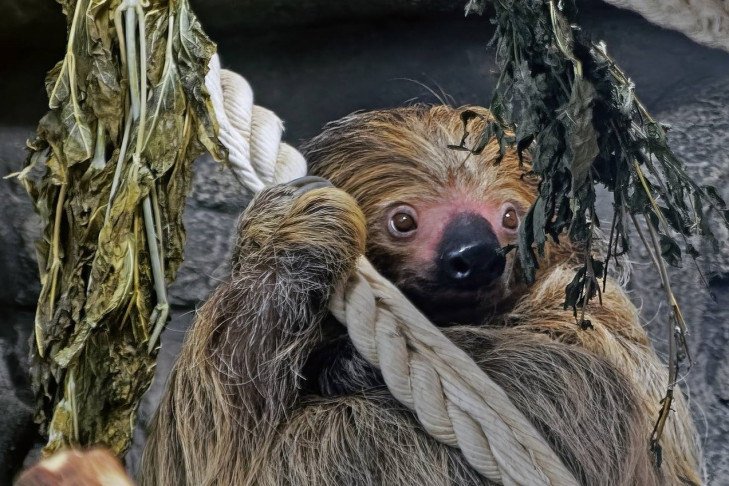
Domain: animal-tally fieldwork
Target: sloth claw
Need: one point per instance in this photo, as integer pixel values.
(308, 183)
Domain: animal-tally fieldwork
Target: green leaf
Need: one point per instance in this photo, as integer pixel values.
(193, 55)
(165, 120)
(105, 91)
(578, 112)
(573, 291)
(527, 258)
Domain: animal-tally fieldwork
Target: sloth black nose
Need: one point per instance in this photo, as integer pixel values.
(468, 256)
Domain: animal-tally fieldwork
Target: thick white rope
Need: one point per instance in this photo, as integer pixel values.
(454, 400)
(252, 134)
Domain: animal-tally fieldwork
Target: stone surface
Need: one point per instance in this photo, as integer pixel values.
(21, 226)
(699, 136)
(37, 16)
(312, 74)
(389, 62)
(210, 217)
(17, 431)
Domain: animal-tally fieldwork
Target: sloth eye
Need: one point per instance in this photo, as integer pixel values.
(510, 219)
(402, 221)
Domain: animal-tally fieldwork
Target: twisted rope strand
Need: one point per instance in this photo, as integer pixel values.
(251, 134)
(456, 402)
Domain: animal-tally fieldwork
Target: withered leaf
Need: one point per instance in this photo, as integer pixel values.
(570, 102)
(165, 120)
(57, 85)
(582, 135)
(93, 317)
(78, 145)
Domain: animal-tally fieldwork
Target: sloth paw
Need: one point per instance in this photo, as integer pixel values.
(307, 217)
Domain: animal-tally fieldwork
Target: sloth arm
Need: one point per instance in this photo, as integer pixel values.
(581, 404)
(239, 371)
(594, 393)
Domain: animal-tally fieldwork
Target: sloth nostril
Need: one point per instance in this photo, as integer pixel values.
(461, 268)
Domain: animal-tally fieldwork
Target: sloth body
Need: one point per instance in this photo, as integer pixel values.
(269, 390)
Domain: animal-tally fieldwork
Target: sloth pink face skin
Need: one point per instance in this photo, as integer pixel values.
(431, 220)
(455, 265)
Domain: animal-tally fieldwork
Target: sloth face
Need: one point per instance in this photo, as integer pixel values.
(448, 254)
(437, 217)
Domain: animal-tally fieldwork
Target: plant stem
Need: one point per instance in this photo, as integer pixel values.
(620, 76)
(672, 361)
(553, 14)
(55, 268)
(610, 248)
(130, 32)
(664, 275)
(645, 242)
(652, 200)
(73, 408)
(56, 259)
(590, 279)
(98, 162)
(119, 163)
(162, 309)
(120, 34)
(158, 226)
(142, 77)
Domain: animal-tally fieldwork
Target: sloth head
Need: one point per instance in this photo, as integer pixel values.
(437, 217)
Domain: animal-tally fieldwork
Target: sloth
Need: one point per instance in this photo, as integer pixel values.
(268, 389)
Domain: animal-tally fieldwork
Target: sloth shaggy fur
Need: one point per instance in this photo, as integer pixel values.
(268, 389)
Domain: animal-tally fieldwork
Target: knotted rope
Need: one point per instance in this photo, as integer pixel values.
(454, 400)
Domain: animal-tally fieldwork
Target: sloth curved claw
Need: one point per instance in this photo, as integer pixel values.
(308, 183)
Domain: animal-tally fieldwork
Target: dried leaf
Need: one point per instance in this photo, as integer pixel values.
(573, 105)
(93, 317)
(582, 135)
(78, 145)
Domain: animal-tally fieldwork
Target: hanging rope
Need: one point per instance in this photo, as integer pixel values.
(454, 400)
(252, 134)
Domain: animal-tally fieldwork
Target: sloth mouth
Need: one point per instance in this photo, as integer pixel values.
(449, 307)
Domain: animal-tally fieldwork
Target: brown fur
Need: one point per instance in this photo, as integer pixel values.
(236, 410)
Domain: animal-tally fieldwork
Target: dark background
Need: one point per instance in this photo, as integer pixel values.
(315, 61)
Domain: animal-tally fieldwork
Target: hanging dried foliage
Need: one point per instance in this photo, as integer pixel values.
(562, 96)
(108, 174)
